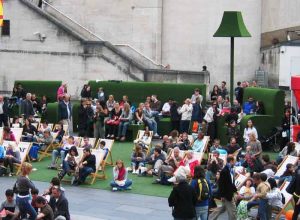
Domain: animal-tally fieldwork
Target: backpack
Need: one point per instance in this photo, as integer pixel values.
(203, 190)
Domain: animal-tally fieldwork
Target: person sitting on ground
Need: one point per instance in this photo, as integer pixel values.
(289, 149)
(155, 161)
(62, 151)
(86, 166)
(165, 111)
(186, 166)
(42, 143)
(167, 145)
(198, 144)
(59, 204)
(202, 187)
(174, 137)
(214, 164)
(144, 140)
(46, 212)
(274, 197)
(8, 135)
(54, 183)
(34, 194)
(12, 156)
(9, 206)
(233, 131)
(216, 146)
(287, 175)
(246, 193)
(232, 147)
(169, 165)
(125, 120)
(184, 143)
(120, 181)
(29, 131)
(249, 106)
(137, 159)
(149, 119)
(70, 163)
(260, 197)
(86, 143)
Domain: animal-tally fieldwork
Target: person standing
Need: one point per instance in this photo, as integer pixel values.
(183, 199)
(65, 110)
(226, 190)
(294, 189)
(186, 116)
(22, 187)
(3, 112)
(27, 106)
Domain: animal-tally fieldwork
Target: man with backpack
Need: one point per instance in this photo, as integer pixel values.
(203, 190)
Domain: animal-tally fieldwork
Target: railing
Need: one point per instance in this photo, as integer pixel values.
(46, 4)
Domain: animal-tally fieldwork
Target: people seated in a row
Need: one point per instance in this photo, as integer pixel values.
(8, 157)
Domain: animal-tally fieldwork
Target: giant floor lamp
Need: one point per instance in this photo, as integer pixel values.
(232, 26)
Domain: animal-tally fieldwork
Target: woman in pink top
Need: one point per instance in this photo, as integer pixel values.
(62, 90)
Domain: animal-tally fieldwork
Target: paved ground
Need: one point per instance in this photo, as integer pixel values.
(92, 204)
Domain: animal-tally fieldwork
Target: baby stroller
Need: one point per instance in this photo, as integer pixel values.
(273, 140)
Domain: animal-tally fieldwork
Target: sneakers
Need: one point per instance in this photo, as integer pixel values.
(10, 174)
(52, 167)
(172, 179)
(114, 189)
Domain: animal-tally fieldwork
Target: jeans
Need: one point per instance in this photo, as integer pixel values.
(152, 125)
(263, 209)
(83, 173)
(184, 126)
(202, 212)
(56, 153)
(123, 128)
(137, 164)
(25, 208)
(9, 161)
(127, 184)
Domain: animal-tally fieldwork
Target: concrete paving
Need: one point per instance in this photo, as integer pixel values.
(96, 204)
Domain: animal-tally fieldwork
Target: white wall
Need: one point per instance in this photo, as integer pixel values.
(289, 64)
(280, 14)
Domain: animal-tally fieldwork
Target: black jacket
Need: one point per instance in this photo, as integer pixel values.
(60, 207)
(63, 110)
(183, 199)
(82, 118)
(27, 108)
(91, 161)
(226, 185)
(5, 107)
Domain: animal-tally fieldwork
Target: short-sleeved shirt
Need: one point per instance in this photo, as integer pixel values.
(48, 212)
(10, 206)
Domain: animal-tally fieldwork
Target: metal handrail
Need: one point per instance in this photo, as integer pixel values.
(100, 38)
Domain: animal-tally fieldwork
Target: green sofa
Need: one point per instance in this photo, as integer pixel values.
(273, 100)
(40, 88)
(138, 91)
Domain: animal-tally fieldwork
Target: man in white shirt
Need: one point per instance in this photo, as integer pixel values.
(166, 108)
(186, 115)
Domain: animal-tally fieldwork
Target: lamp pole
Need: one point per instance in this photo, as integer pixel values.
(231, 68)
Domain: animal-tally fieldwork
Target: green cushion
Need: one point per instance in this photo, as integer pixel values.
(40, 88)
(164, 126)
(138, 91)
(52, 113)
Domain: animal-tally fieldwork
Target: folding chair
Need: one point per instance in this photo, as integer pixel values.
(288, 199)
(109, 144)
(240, 180)
(139, 136)
(50, 126)
(45, 153)
(17, 133)
(282, 166)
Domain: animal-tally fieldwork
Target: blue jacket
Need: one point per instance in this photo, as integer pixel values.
(63, 110)
(2, 152)
(195, 186)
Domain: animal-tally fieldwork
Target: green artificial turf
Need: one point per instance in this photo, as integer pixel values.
(141, 185)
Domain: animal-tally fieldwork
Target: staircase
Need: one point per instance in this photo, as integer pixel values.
(87, 37)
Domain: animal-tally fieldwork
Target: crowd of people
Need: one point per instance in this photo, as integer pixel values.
(198, 181)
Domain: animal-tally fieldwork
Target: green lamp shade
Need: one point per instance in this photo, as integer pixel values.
(232, 25)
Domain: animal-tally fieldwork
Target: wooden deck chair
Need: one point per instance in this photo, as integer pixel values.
(92, 142)
(17, 133)
(140, 134)
(50, 126)
(240, 180)
(288, 199)
(282, 166)
(206, 141)
(100, 173)
(46, 152)
(24, 148)
(1, 134)
(35, 124)
(199, 156)
(109, 144)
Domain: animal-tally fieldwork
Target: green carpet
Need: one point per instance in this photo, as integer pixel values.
(141, 185)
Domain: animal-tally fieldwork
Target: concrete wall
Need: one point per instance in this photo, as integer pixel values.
(280, 14)
(174, 33)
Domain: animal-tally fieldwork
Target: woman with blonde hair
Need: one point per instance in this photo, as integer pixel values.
(120, 181)
(125, 120)
(22, 188)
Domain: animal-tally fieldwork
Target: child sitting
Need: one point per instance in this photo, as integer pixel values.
(137, 159)
(9, 206)
(120, 181)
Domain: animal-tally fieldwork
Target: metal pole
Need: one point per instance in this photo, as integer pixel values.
(231, 69)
